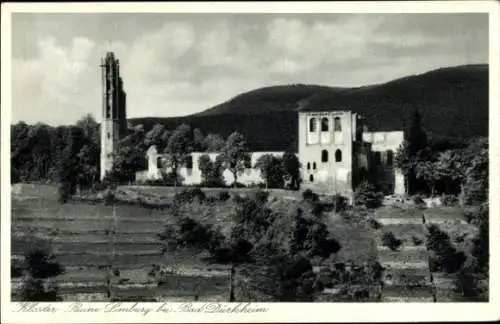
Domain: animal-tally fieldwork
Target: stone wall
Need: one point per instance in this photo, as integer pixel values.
(193, 176)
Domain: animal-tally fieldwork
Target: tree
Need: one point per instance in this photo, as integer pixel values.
(129, 157)
(368, 195)
(413, 150)
(198, 140)
(426, 171)
(69, 169)
(179, 146)
(206, 167)
(213, 143)
(476, 185)
(291, 168)
(271, 169)
(154, 137)
(417, 138)
(90, 128)
(39, 265)
(234, 156)
(89, 166)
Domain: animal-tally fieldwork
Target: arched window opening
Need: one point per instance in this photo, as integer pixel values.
(336, 124)
(311, 178)
(324, 156)
(338, 156)
(324, 124)
(314, 165)
(312, 125)
(390, 157)
(377, 158)
(308, 166)
(159, 163)
(189, 162)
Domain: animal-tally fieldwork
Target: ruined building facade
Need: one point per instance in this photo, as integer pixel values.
(335, 149)
(114, 116)
(337, 153)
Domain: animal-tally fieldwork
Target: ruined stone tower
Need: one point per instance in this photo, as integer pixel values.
(114, 119)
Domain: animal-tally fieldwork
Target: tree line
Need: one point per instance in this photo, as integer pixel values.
(70, 156)
(439, 167)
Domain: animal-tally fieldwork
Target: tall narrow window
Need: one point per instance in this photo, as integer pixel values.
(336, 124)
(314, 165)
(338, 156)
(390, 157)
(377, 158)
(308, 166)
(324, 156)
(189, 162)
(311, 178)
(312, 124)
(324, 124)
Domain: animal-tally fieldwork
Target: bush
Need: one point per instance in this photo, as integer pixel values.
(109, 198)
(391, 241)
(224, 196)
(261, 196)
(374, 224)
(368, 195)
(309, 195)
(16, 269)
(39, 265)
(64, 192)
(449, 200)
(189, 195)
(444, 256)
(417, 240)
(418, 200)
(340, 203)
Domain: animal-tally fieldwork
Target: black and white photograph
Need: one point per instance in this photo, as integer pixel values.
(225, 161)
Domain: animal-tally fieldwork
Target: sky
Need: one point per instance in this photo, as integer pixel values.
(179, 64)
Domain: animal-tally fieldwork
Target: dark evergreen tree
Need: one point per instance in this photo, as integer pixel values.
(417, 149)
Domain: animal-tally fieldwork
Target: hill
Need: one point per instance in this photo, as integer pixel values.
(453, 103)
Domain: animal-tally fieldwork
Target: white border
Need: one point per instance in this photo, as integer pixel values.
(281, 312)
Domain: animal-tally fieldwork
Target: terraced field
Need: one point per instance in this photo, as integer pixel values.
(79, 234)
(80, 241)
(407, 275)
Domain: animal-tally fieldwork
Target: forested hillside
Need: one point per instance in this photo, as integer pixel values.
(453, 102)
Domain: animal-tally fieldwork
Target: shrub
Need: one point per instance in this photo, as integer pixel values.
(309, 195)
(340, 203)
(283, 278)
(374, 224)
(449, 200)
(417, 240)
(418, 200)
(224, 196)
(477, 214)
(444, 255)
(261, 196)
(39, 265)
(64, 191)
(391, 241)
(16, 269)
(368, 195)
(109, 197)
(189, 195)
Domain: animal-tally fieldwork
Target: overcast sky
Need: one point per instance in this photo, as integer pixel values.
(177, 64)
